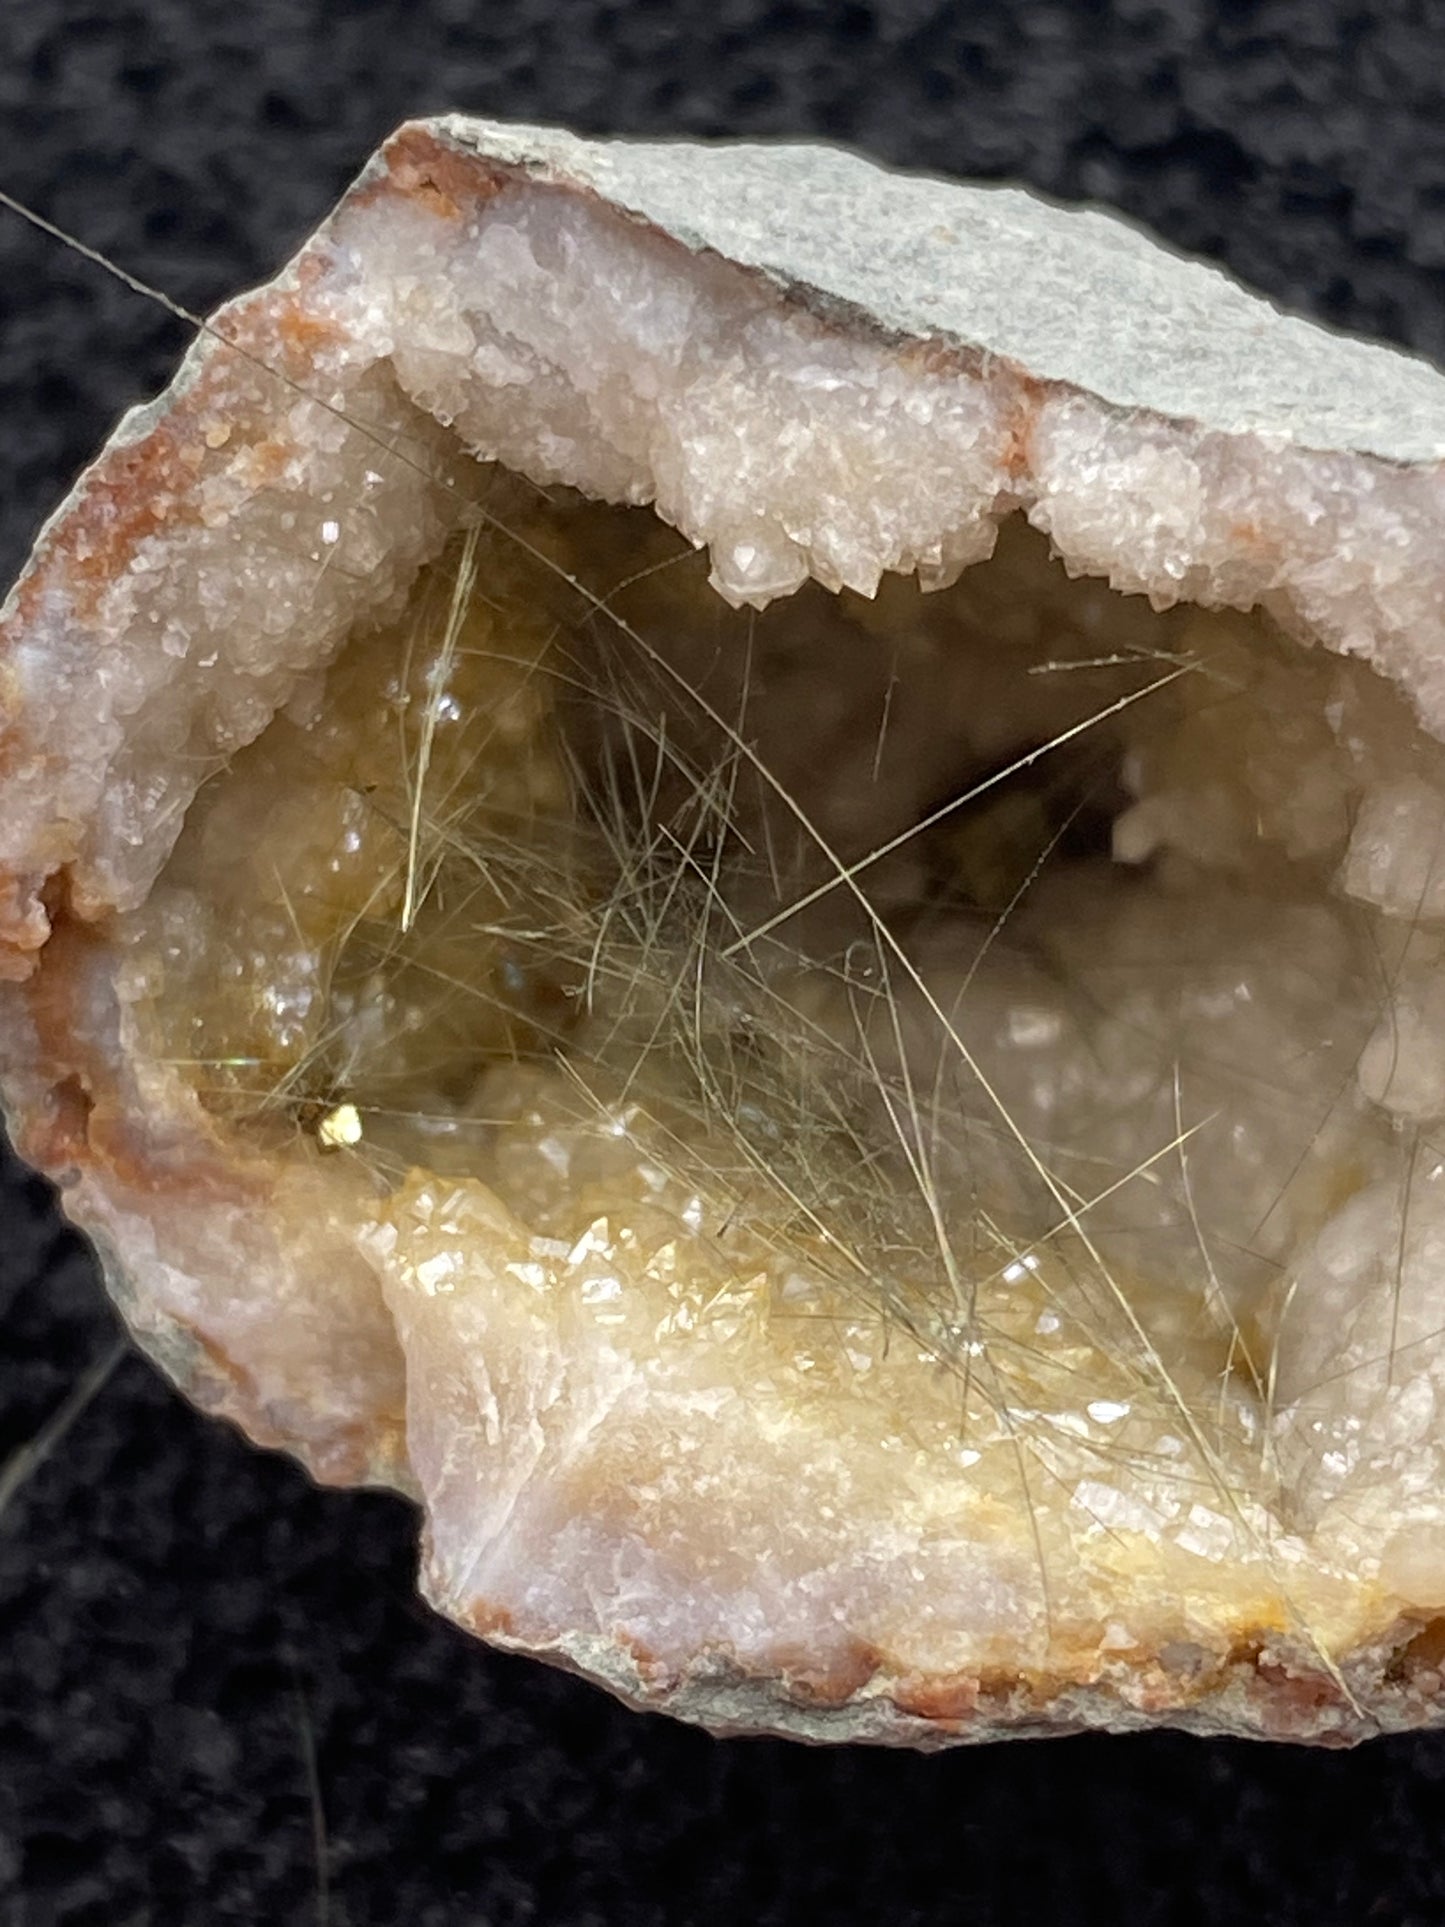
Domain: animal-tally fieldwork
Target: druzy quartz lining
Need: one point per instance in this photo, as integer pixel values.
(768, 926)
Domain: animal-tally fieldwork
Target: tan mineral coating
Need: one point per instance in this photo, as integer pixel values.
(132, 666)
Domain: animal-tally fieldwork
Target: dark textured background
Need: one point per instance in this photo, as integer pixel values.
(213, 1678)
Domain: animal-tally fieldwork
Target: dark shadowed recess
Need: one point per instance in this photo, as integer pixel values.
(218, 1700)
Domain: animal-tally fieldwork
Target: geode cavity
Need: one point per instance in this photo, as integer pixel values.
(734, 864)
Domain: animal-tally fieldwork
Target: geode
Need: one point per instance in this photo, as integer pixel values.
(733, 864)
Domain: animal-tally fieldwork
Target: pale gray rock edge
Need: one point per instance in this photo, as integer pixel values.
(1072, 295)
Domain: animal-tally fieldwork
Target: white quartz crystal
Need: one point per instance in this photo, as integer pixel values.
(1207, 1063)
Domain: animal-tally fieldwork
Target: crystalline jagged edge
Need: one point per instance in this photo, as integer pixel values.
(1057, 429)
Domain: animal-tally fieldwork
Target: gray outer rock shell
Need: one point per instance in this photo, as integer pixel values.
(1073, 295)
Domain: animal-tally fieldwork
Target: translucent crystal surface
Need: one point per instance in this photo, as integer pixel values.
(836, 1063)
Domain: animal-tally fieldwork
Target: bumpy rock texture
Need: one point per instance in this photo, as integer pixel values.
(848, 1095)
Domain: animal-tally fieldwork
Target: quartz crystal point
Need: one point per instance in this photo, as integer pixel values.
(734, 864)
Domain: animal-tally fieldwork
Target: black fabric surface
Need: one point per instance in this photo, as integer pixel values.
(218, 1699)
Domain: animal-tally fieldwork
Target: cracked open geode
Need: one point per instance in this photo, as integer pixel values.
(735, 865)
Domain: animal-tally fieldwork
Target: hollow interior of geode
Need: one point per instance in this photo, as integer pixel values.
(1015, 975)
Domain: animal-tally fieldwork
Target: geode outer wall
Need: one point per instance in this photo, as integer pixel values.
(815, 368)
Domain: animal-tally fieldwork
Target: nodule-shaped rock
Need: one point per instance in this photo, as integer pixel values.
(737, 865)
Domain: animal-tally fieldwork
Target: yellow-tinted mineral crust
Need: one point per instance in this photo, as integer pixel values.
(967, 1193)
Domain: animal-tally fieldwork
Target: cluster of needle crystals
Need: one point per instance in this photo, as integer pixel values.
(854, 1097)
(1035, 1162)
